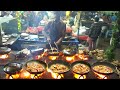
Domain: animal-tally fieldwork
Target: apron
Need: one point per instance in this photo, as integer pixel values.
(54, 33)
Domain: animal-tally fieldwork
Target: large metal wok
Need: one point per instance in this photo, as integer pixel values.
(53, 51)
(12, 68)
(37, 61)
(69, 52)
(80, 62)
(105, 64)
(59, 62)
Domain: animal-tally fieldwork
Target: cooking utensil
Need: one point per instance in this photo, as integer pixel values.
(37, 61)
(14, 35)
(53, 51)
(50, 46)
(56, 46)
(37, 51)
(81, 62)
(59, 62)
(4, 50)
(69, 52)
(12, 68)
(67, 38)
(105, 64)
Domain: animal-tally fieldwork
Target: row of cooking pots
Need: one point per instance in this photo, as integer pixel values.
(13, 68)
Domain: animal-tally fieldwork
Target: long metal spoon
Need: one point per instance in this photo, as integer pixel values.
(56, 46)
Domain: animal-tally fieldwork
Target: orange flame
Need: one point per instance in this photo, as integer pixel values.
(82, 57)
(53, 57)
(100, 76)
(15, 76)
(24, 75)
(39, 56)
(38, 76)
(4, 56)
(70, 58)
(78, 76)
(55, 75)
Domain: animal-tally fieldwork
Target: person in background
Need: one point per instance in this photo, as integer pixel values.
(3, 13)
(24, 21)
(54, 31)
(31, 18)
(113, 17)
(8, 14)
(44, 20)
(68, 14)
(94, 33)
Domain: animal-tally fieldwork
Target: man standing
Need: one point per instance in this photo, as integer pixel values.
(54, 31)
(94, 33)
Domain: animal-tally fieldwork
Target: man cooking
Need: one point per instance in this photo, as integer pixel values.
(54, 31)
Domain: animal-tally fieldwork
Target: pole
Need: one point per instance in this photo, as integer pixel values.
(0, 34)
(79, 24)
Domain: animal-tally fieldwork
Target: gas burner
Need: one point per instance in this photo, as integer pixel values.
(36, 68)
(69, 58)
(38, 57)
(4, 56)
(58, 68)
(56, 75)
(53, 57)
(80, 69)
(12, 70)
(79, 76)
(82, 56)
(101, 76)
(36, 76)
(12, 76)
(26, 75)
(102, 70)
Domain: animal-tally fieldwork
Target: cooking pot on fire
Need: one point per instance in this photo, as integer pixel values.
(35, 66)
(57, 66)
(80, 67)
(12, 68)
(69, 52)
(103, 66)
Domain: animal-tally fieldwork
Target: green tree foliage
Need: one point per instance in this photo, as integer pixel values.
(110, 51)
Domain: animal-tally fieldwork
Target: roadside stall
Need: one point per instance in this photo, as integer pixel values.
(29, 58)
